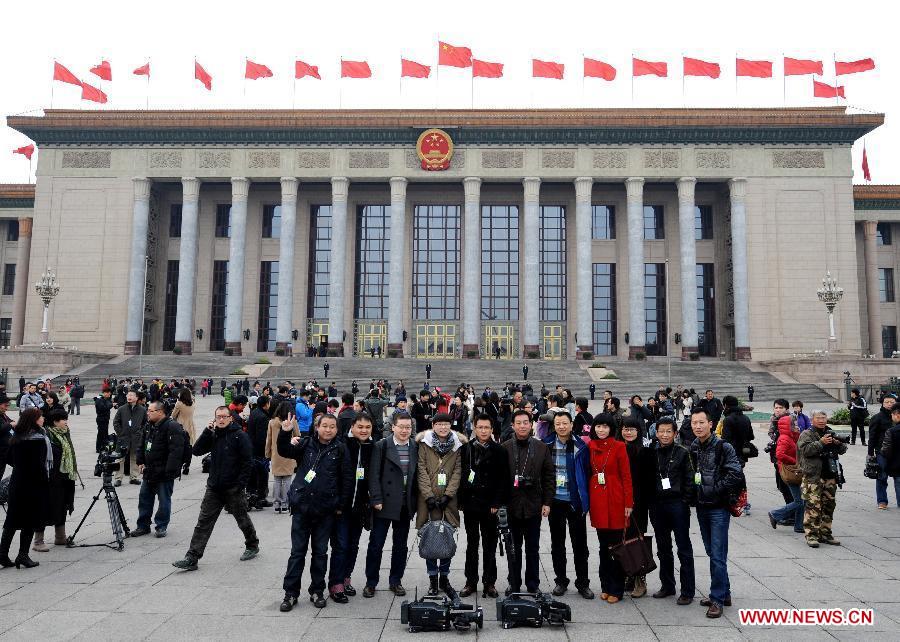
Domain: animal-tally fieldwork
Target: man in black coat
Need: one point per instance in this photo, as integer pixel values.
(736, 428)
(5, 432)
(879, 424)
(258, 430)
(231, 458)
(103, 406)
(713, 407)
(423, 411)
(159, 461)
(76, 395)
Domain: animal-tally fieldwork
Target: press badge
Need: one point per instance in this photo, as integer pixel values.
(471, 476)
(360, 473)
(697, 478)
(516, 481)
(442, 479)
(666, 484)
(149, 445)
(311, 475)
(601, 479)
(560, 481)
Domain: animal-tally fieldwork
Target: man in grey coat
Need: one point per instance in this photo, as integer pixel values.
(129, 426)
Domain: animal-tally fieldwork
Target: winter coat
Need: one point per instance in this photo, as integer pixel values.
(890, 450)
(332, 482)
(489, 487)
(345, 419)
(30, 401)
(184, 414)
(386, 484)
(582, 424)
(786, 447)
(231, 457)
(129, 425)
(536, 464)
(29, 485)
(609, 501)
(360, 453)
(258, 431)
(431, 465)
(375, 406)
(720, 472)
(674, 463)
(684, 431)
(103, 408)
(737, 431)
(879, 424)
(643, 483)
(162, 451)
(811, 449)
(62, 488)
(304, 413)
(577, 471)
(281, 466)
(6, 434)
(423, 412)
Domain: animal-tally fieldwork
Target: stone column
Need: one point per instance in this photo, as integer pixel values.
(529, 280)
(284, 316)
(873, 303)
(688, 250)
(397, 261)
(738, 187)
(237, 244)
(584, 321)
(637, 329)
(20, 292)
(471, 303)
(337, 264)
(137, 272)
(187, 265)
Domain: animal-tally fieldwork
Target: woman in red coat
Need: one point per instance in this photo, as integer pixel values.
(786, 455)
(611, 500)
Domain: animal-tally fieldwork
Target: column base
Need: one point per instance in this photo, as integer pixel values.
(531, 351)
(132, 347)
(187, 347)
(690, 354)
(584, 352)
(637, 353)
(742, 354)
(334, 350)
(286, 348)
(234, 347)
(395, 351)
(470, 351)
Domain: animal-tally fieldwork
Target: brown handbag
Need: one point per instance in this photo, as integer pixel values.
(634, 555)
(791, 474)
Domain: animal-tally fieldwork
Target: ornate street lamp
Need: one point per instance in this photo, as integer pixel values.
(47, 288)
(830, 294)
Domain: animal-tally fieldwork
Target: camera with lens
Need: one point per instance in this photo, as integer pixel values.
(831, 466)
(531, 609)
(108, 459)
(440, 614)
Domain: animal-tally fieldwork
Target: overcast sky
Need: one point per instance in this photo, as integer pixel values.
(170, 34)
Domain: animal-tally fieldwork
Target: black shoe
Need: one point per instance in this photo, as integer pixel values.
(432, 586)
(368, 591)
(349, 590)
(707, 602)
(187, 564)
(136, 482)
(398, 590)
(5, 562)
(264, 503)
(318, 600)
(683, 600)
(339, 597)
(467, 590)
(27, 562)
(559, 590)
(287, 603)
(118, 482)
(140, 532)
(773, 521)
(185, 471)
(586, 593)
(449, 591)
(661, 593)
(490, 591)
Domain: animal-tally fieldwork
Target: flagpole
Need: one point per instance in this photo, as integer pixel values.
(147, 104)
(583, 99)
(737, 101)
(245, 80)
(52, 85)
(472, 89)
(783, 82)
(632, 79)
(29, 168)
(683, 97)
(834, 62)
(437, 74)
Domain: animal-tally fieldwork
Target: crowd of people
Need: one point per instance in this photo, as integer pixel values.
(389, 460)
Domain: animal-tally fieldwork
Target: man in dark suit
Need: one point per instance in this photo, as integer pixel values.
(392, 491)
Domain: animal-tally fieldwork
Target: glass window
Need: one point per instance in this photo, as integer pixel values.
(604, 297)
(171, 302)
(5, 332)
(552, 260)
(655, 307)
(271, 222)
(883, 234)
(223, 220)
(268, 306)
(174, 224)
(706, 310)
(499, 262)
(888, 340)
(373, 261)
(217, 313)
(885, 285)
(435, 282)
(9, 278)
(319, 261)
(654, 230)
(603, 222)
(703, 222)
(12, 229)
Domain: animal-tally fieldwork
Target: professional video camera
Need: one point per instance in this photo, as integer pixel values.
(531, 609)
(440, 614)
(108, 459)
(832, 459)
(505, 539)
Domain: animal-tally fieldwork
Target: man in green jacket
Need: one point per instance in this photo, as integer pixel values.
(818, 449)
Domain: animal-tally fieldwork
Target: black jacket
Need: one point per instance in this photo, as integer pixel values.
(674, 463)
(231, 457)
(103, 407)
(535, 462)
(720, 472)
(258, 430)
(737, 431)
(490, 486)
(879, 424)
(332, 484)
(360, 454)
(890, 450)
(162, 450)
(5, 436)
(714, 408)
(345, 420)
(29, 485)
(386, 480)
(423, 412)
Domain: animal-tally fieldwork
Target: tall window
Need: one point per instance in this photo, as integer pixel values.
(655, 307)
(499, 262)
(271, 222)
(268, 306)
(703, 222)
(217, 313)
(603, 222)
(604, 297)
(319, 261)
(175, 222)
(223, 220)
(9, 279)
(883, 234)
(888, 340)
(654, 227)
(435, 282)
(706, 310)
(552, 263)
(5, 332)
(12, 229)
(171, 308)
(373, 261)
(885, 285)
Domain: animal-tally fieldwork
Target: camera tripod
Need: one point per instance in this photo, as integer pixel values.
(116, 517)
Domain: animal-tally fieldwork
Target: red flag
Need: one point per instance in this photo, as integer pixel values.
(842, 68)
(255, 70)
(302, 69)
(62, 74)
(821, 90)
(412, 69)
(865, 164)
(644, 68)
(482, 69)
(103, 70)
(142, 71)
(597, 69)
(201, 75)
(542, 69)
(451, 56)
(89, 92)
(696, 67)
(754, 68)
(28, 150)
(355, 69)
(795, 67)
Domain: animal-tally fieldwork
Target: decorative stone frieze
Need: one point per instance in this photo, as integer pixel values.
(313, 160)
(502, 159)
(713, 159)
(369, 160)
(798, 159)
(264, 160)
(89, 159)
(165, 159)
(213, 159)
(558, 159)
(610, 159)
(662, 158)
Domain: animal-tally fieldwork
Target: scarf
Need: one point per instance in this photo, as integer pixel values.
(442, 447)
(48, 462)
(67, 464)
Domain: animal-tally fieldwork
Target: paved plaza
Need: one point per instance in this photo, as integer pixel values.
(102, 594)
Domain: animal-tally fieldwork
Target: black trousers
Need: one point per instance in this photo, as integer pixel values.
(480, 525)
(855, 423)
(102, 434)
(612, 577)
(529, 530)
(306, 527)
(258, 485)
(674, 518)
(213, 502)
(561, 515)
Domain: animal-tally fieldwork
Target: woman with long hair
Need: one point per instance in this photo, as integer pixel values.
(63, 475)
(183, 413)
(51, 402)
(642, 464)
(29, 486)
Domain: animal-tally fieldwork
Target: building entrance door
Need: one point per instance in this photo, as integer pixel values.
(371, 336)
(435, 340)
(552, 340)
(499, 341)
(316, 337)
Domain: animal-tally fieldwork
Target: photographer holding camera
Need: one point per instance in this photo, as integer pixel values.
(818, 450)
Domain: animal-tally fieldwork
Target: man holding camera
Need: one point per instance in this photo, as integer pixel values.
(159, 460)
(818, 450)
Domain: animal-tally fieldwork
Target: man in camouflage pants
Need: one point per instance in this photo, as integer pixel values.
(819, 485)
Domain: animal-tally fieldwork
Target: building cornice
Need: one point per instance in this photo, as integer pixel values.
(876, 197)
(16, 195)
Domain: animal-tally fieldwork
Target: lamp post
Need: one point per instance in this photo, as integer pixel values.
(830, 294)
(47, 288)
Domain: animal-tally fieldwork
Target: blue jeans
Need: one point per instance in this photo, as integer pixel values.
(795, 509)
(714, 524)
(881, 484)
(434, 567)
(150, 490)
(345, 536)
(399, 549)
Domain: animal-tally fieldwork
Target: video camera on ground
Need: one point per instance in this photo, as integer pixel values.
(440, 614)
(531, 609)
(108, 459)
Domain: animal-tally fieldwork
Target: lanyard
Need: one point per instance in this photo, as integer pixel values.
(668, 465)
(355, 480)
(527, 457)
(605, 461)
(319, 456)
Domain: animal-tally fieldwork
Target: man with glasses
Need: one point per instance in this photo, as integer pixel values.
(159, 461)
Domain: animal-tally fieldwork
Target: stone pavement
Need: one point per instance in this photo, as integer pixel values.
(102, 594)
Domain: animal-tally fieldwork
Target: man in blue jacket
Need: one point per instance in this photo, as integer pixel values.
(570, 503)
(304, 413)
